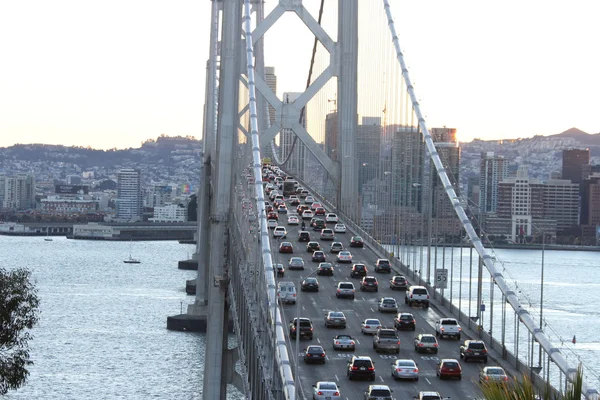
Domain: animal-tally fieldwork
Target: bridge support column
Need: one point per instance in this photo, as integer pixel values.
(347, 106)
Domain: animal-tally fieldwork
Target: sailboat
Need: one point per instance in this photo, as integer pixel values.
(131, 260)
(48, 238)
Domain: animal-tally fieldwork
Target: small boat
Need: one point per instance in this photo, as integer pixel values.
(131, 260)
(48, 238)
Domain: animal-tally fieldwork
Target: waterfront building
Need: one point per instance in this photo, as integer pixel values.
(129, 195)
(61, 205)
(573, 161)
(493, 170)
(170, 213)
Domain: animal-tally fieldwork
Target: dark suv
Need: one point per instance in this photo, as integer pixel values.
(303, 236)
(306, 328)
(369, 283)
(405, 321)
(361, 367)
(398, 282)
(312, 246)
(358, 270)
(383, 265)
(474, 350)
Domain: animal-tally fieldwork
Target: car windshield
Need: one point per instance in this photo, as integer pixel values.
(310, 280)
(429, 339)
(315, 349)
(406, 317)
(495, 371)
(380, 392)
(336, 314)
(389, 301)
(344, 253)
(346, 286)
(325, 265)
(345, 337)
(362, 363)
(327, 386)
(402, 363)
(372, 322)
(450, 364)
(476, 346)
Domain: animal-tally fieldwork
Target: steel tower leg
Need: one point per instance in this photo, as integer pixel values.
(214, 385)
(347, 105)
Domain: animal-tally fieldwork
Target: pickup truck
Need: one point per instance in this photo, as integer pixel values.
(448, 327)
(386, 339)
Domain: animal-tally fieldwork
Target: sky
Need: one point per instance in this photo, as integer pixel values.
(114, 73)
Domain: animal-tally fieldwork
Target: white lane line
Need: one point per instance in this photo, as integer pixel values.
(428, 381)
(336, 378)
(319, 340)
(381, 378)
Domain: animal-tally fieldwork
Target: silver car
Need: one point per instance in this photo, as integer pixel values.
(493, 374)
(296, 263)
(344, 342)
(388, 304)
(426, 342)
(370, 326)
(405, 369)
(335, 319)
(326, 391)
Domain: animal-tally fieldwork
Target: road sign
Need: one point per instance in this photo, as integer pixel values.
(441, 278)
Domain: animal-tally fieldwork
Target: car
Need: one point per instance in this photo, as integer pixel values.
(317, 224)
(325, 268)
(282, 209)
(474, 350)
(306, 328)
(286, 292)
(331, 218)
(307, 214)
(309, 200)
(426, 342)
(279, 232)
(327, 234)
(314, 205)
(428, 395)
(417, 295)
(370, 326)
(344, 257)
(356, 241)
(301, 208)
(310, 284)
(318, 256)
(303, 194)
(339, 228)
(296, 263)
(369, 283)
(320, 211)
(388, 304)
(271, 223)
(335, 319)
(336, 247)
(280, 271)
(493, 375)
(272, 215)
(361, 367)
(294, 200)
(449, 368)
(405, 369)
(326, 391)
(314, 354)
(398, 282)
(293, 220)
(303, 236)
(383, 265)
(344, 342)
(377, 392)
(405, 321)
(345, 289)
(286, 247)
(312, 246)
(358, 270)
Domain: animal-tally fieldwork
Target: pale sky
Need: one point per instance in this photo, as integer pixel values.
(114, 73)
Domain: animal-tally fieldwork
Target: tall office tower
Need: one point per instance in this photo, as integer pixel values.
(494, 169)
(561, 202)
(331, 135)
(271, 81)
(18, 193)
(368, 143)
(573, 161)
(408, 155)
(297, 158)
(129, 194)
(446, 144)
(473, 194)
(590, 201)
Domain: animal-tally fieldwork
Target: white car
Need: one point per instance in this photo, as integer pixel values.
(339, 228)
(344, 257)
(370, 326)
(309, 200)
(279, 232)
(307, 214)
(293, 220)
(271, 223)
(326, 391)
(331, 217)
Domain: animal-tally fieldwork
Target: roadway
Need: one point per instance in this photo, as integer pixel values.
(315, 305)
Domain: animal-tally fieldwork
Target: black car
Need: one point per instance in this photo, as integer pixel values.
(474, 350)
(306, 328)
(361, 367)
(398, 282)
(312, 246)
(318, 224)
(405, 321)
(314, 354)
(325, 268)
(303, 236)
(318, 256)
(280, 270)
(356, 241)
(369, 283)
(358, 270)
(383, 265)
(310, 284)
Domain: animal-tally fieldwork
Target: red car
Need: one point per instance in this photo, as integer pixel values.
(286, 247)
(449, 368)
(319, 211)
(272, 215)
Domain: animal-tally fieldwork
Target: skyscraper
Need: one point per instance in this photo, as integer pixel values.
(573, 161)
(494, 169)
(408, 154)
(287, 147)
(368, 144)
(17, 193)
(271, 81)
(129, 194)
(331, 135)
(446, 144)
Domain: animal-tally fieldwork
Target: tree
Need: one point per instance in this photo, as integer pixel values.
(524, 389)
(18, 314)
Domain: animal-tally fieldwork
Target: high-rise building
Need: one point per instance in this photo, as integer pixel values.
(17, 193)
(368, 143)
(573, 161)
(494, 169)
(407, 161)
(271, 81)
(590, 201)
(561, 202)
(129, 194)
(331, 135)
(290, 146)
(446, 144)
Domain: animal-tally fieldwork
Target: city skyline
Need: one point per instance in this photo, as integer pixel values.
(81, 74)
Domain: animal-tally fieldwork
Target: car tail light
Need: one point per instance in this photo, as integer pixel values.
(420, 344)
(371, 368)
(367, 326)
(435, 345)
(398, 369)
(320, 393)
(293, 328)
(294, 295)
(427, 297)
(307, 354)
(416, 370)
(487, 378)
(336, 394)
(398, 342)
(311, 329)
(506, 378)
(354, 368)
(323, 355)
